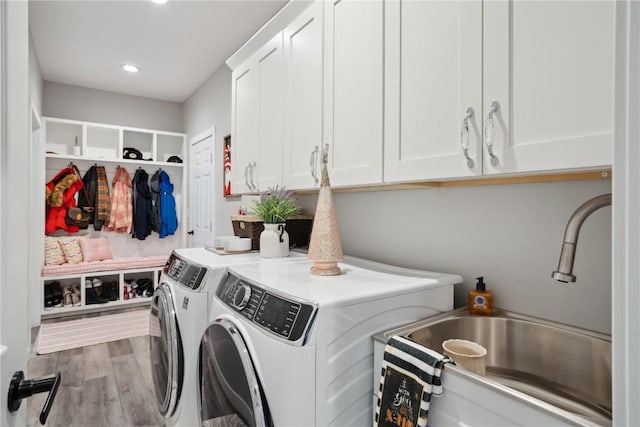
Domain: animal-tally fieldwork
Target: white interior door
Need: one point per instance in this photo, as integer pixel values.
(14, 227)
(203, 190)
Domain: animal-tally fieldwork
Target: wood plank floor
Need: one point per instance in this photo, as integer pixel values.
(102, 385)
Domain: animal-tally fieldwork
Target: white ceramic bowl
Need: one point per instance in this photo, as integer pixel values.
(237, 245)
(219, 241)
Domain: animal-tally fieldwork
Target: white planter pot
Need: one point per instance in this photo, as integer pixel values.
(274, 241)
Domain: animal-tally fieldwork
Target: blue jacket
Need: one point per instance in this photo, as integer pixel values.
(168, 218)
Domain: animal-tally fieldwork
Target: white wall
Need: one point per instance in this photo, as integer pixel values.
(210, 105)
(79, 103)
(35, 78)
(510, 234)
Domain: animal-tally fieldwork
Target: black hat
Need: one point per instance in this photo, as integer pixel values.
(131, 153)
(174, 159)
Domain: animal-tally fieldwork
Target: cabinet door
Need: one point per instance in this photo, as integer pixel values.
(244, 118)
(303, 120)
(270, 71)
(354, 90)
(433, 66)
(549, 65)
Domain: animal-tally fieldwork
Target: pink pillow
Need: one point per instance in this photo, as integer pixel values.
(96, 249)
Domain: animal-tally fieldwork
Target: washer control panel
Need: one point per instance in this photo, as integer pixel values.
(281, 315)
(184, 272)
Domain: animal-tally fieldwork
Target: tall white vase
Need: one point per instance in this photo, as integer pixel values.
(274, 241)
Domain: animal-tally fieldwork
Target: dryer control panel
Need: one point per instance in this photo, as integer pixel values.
(280, 315)
(184, 272)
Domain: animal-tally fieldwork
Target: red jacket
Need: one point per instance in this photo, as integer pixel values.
(60, 195)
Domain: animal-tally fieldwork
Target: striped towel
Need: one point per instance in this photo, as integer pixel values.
(410, 375)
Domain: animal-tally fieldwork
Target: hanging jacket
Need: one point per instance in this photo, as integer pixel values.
(120, 218)
(154, 185)
(168, 217)
(60, 195)
(90, 181)
(142, 217)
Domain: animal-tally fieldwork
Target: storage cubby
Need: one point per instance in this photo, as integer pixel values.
(61, 137)
(103, 143)
(102, 289)
(169, 145)
(138, 285)
(141, 141)
(72, 286)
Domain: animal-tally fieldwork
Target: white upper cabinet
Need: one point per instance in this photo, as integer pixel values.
(417, 90)
(270, 71)
(549, 66)
(244, 116)
(258, 108)
(353, 101)
(433, 77)
(303, 140)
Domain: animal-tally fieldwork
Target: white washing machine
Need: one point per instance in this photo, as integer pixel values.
(180, 313)
(287, 348)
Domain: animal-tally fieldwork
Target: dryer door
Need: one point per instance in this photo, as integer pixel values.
(166, 350)
(231, 393)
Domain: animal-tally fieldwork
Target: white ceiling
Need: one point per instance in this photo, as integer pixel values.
(176, 45)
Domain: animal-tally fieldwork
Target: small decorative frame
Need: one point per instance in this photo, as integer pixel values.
(226, 166)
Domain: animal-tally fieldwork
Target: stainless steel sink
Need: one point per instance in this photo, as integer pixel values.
(565, 367)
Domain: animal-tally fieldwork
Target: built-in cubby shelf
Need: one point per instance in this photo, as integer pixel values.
(86, 144)
(122, 278)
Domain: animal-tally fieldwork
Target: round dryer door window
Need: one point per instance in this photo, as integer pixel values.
(166, 350)
(230, 390)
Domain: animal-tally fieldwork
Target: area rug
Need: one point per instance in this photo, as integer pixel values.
(68, 334)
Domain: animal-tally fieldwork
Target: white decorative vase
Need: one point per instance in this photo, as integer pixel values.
(274, 241)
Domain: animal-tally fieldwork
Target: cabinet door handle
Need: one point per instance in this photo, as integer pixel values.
(253, 166)
(489, 126)
(246, 176)
(464, 137)
(312, 164)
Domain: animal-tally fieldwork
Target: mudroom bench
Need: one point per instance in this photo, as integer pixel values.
(121, 272)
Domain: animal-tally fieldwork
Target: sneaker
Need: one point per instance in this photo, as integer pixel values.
(67, 299)
(75, 295)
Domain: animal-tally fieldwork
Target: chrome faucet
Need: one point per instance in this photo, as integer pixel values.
(564, 273)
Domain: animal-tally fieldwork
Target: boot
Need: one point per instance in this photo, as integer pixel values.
(111, 291)
(91, 295)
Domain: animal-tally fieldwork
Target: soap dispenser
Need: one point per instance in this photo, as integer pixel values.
(480, 300)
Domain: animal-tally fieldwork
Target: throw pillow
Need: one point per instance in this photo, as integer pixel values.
(53, 254)
(71, 248)
(96, 249)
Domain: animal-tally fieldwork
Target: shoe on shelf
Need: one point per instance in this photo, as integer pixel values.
(92, 297)
(67, 300)
(54, 292)
(48, 297)
(111, 291)
(76, 295)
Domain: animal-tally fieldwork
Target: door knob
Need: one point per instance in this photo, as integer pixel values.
(19, 389)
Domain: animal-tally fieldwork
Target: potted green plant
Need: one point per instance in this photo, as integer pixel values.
(274, 207)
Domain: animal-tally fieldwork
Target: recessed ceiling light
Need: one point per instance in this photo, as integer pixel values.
(159, 1)
(130, 68)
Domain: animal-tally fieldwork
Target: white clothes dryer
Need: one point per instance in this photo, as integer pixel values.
(180, 313)
(287, 348)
